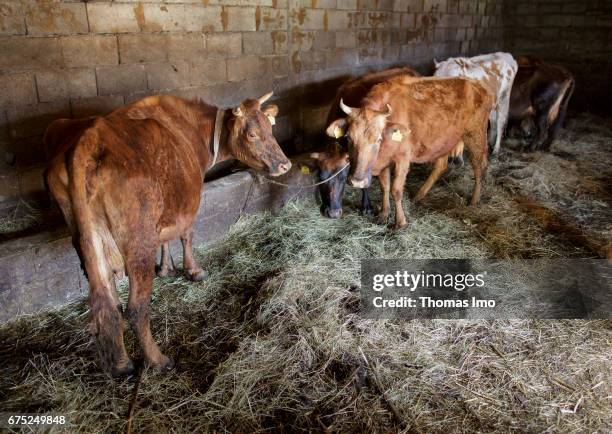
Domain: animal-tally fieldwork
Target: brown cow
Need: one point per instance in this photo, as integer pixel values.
(132, 181)
(541, 93)
(335, 156)
(408, 119)
(63, 134)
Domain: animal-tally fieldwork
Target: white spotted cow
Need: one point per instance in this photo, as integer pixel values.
(496, 71)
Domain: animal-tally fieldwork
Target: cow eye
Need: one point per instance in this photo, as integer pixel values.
(252, 135)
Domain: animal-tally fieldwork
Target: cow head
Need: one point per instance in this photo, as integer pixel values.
(250, 136)
(329, 163)
(364, 128)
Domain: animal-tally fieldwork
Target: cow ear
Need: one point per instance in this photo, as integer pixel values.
(237, 111)
(337, 128)
(270, 110)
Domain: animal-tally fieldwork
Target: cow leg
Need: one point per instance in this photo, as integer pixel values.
(479, 165)
(542, 134)
(492, 132)
(503, 108)
(166, 264)
(553, 132)
(140, 272)
(439, 168)
(385, 187)
(397, 189)
(476, 141)
(366, 205)
(192, 269)
(107, 325)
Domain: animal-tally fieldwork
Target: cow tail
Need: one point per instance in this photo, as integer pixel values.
(456, 154)
(93, 235)
(568, 95)
(559, 121)
(81, 167)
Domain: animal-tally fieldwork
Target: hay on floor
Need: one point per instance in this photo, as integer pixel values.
(273, 338)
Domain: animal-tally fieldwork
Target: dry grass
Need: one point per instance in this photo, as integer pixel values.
(24, 216)
(273, 339)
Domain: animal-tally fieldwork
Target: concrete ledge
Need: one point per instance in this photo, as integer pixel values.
(43, 270)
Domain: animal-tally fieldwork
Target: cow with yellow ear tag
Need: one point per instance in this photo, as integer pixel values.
(409, 120)
(333, 161)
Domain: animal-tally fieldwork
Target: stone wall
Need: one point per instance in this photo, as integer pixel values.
(42, 270)
(74, 58)
(574, 33)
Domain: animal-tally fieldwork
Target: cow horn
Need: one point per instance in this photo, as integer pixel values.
(237, 112)
(264, 98)
(346, 109)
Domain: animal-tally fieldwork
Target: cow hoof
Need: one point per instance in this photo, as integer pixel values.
(382, 219)
(400, 225)
(196, 275)
(168, 272)
(166, 366)
(368, 212)
(124, 370)
(418, 198)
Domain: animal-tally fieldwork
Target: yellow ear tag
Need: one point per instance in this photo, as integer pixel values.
(272, 120)
(397, 136)
(305, 170)
(338, 132)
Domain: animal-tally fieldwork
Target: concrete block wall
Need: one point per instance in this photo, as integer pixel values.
(74, 58)
(42, 270)
(573, 33)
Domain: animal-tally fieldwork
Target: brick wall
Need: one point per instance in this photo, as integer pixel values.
(574, 33)
(74, 59)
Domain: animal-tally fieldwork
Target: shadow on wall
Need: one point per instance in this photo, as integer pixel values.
(300, 125)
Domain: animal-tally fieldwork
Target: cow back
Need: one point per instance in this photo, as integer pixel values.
(495, 71)
(354, 91)
(434, 112)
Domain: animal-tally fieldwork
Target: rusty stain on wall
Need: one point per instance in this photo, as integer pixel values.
(278, 40)
(224, 18)
(296, 63)
(139, 14)
(298, 16)
(42, 14)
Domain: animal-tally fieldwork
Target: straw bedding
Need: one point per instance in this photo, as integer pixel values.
(273, 339)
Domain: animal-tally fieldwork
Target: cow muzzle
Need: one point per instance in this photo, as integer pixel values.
(359, 182)
(333, 213)
(280, 169)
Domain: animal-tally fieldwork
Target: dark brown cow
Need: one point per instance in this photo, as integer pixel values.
(130, 181)
(409, 119)
(541, 93)
(335, 156)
